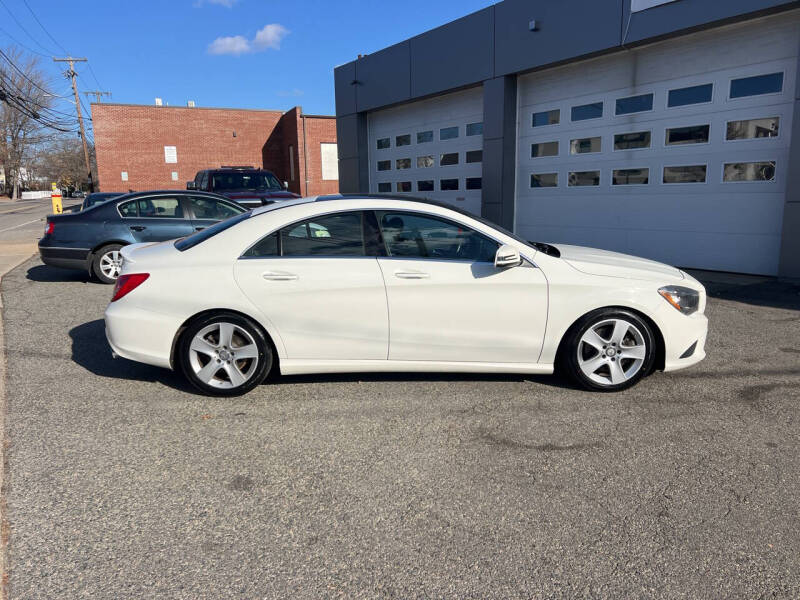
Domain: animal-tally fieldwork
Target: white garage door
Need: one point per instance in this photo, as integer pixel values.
(677, 151)
(431, 148)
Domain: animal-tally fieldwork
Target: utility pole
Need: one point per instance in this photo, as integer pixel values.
(97, 95)
(73, 75)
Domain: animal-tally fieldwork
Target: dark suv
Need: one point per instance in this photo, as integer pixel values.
(248, 186)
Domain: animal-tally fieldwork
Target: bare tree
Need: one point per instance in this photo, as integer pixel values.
(61, 160)
(24, 99)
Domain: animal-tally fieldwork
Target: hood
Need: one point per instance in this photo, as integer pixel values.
(264, 195)
(613, 264)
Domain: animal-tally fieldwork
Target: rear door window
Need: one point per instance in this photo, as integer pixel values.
(329, 235)
(128, 209)
(160, 208)
(212, 209)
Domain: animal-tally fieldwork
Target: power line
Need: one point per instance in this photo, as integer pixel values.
(16, 41)
(22, 27)
(43, 27)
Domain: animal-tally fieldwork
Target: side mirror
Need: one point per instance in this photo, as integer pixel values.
(507, 256)
(190, 185)
(286, 185)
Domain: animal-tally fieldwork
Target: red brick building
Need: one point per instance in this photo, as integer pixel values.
(162, 147)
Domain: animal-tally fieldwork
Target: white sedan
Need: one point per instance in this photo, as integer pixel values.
(360, 283)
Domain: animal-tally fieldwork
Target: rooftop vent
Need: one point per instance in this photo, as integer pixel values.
(190, 103)
(159, 102)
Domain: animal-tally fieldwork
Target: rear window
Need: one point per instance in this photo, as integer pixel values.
(201, 236)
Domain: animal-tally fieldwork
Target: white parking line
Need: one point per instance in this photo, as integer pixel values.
(20, 225)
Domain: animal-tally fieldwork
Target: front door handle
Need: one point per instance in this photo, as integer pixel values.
(411, 275)
(138, 227)
(279, 276)
(199, 228)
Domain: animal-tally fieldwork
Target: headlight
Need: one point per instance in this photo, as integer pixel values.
(683, 299)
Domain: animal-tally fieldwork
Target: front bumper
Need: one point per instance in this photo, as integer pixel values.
(684, 341)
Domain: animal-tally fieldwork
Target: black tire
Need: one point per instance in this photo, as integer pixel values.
(219, 381)
(98, 266)
(607, 357)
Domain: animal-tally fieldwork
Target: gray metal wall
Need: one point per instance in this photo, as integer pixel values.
(489, 48)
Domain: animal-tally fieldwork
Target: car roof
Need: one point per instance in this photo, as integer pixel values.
(141, 194)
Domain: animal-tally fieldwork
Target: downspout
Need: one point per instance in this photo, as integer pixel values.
(305, 154)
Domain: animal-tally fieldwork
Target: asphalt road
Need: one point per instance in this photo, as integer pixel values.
(123, 484)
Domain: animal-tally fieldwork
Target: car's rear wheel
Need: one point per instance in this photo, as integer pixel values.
(107, 263)
(224, 354)
(609, 350)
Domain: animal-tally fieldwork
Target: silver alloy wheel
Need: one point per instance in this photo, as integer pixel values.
(611, 351)
(111, 264)
(223, 355)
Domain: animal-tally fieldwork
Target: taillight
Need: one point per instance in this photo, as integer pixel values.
(127, 283)
(49, 228)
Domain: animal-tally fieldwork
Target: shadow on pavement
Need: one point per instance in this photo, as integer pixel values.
(91, 351)
(751, 289)
(46, 274)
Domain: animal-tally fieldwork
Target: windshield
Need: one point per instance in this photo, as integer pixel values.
(244, 181)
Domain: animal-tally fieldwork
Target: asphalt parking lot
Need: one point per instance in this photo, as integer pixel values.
(122, 483)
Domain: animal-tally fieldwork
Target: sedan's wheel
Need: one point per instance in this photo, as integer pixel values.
(224, 355)
(609, 350)
(107, 263)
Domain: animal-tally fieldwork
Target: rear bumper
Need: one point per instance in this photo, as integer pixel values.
(141, 335)
(65, 258)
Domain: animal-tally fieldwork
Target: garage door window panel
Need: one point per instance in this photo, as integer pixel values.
(586, 145)
(547, 117)
(384, 143)
(695, 94)
(474, 129)
(385, 188)
(584, 178)
(750, 129)
(757, 85)
(331, 235)
(384, 165)
(425, 162)
(403, 187)
(637, 140)
(748, 172)
(402, 163)
(681, 136)
(584, 112)
(448, 133)
(540, 180)
(474, 183)
(449, 159)
(474, 156)
(634, 104)
(424, 137)
(426, 185)
(403, 140)
(410, 235)
(685, 174)
(630, 177)
(448, 185)
(544, 149)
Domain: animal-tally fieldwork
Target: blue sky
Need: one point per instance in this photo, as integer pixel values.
(238, 53)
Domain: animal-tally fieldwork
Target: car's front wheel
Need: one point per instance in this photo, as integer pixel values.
(609, 350)
(107, 263)
(224, 354)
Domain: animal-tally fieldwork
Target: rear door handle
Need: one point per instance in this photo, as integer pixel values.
(138, 227)
(279, 276)
(411, 275)
(199, 228)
